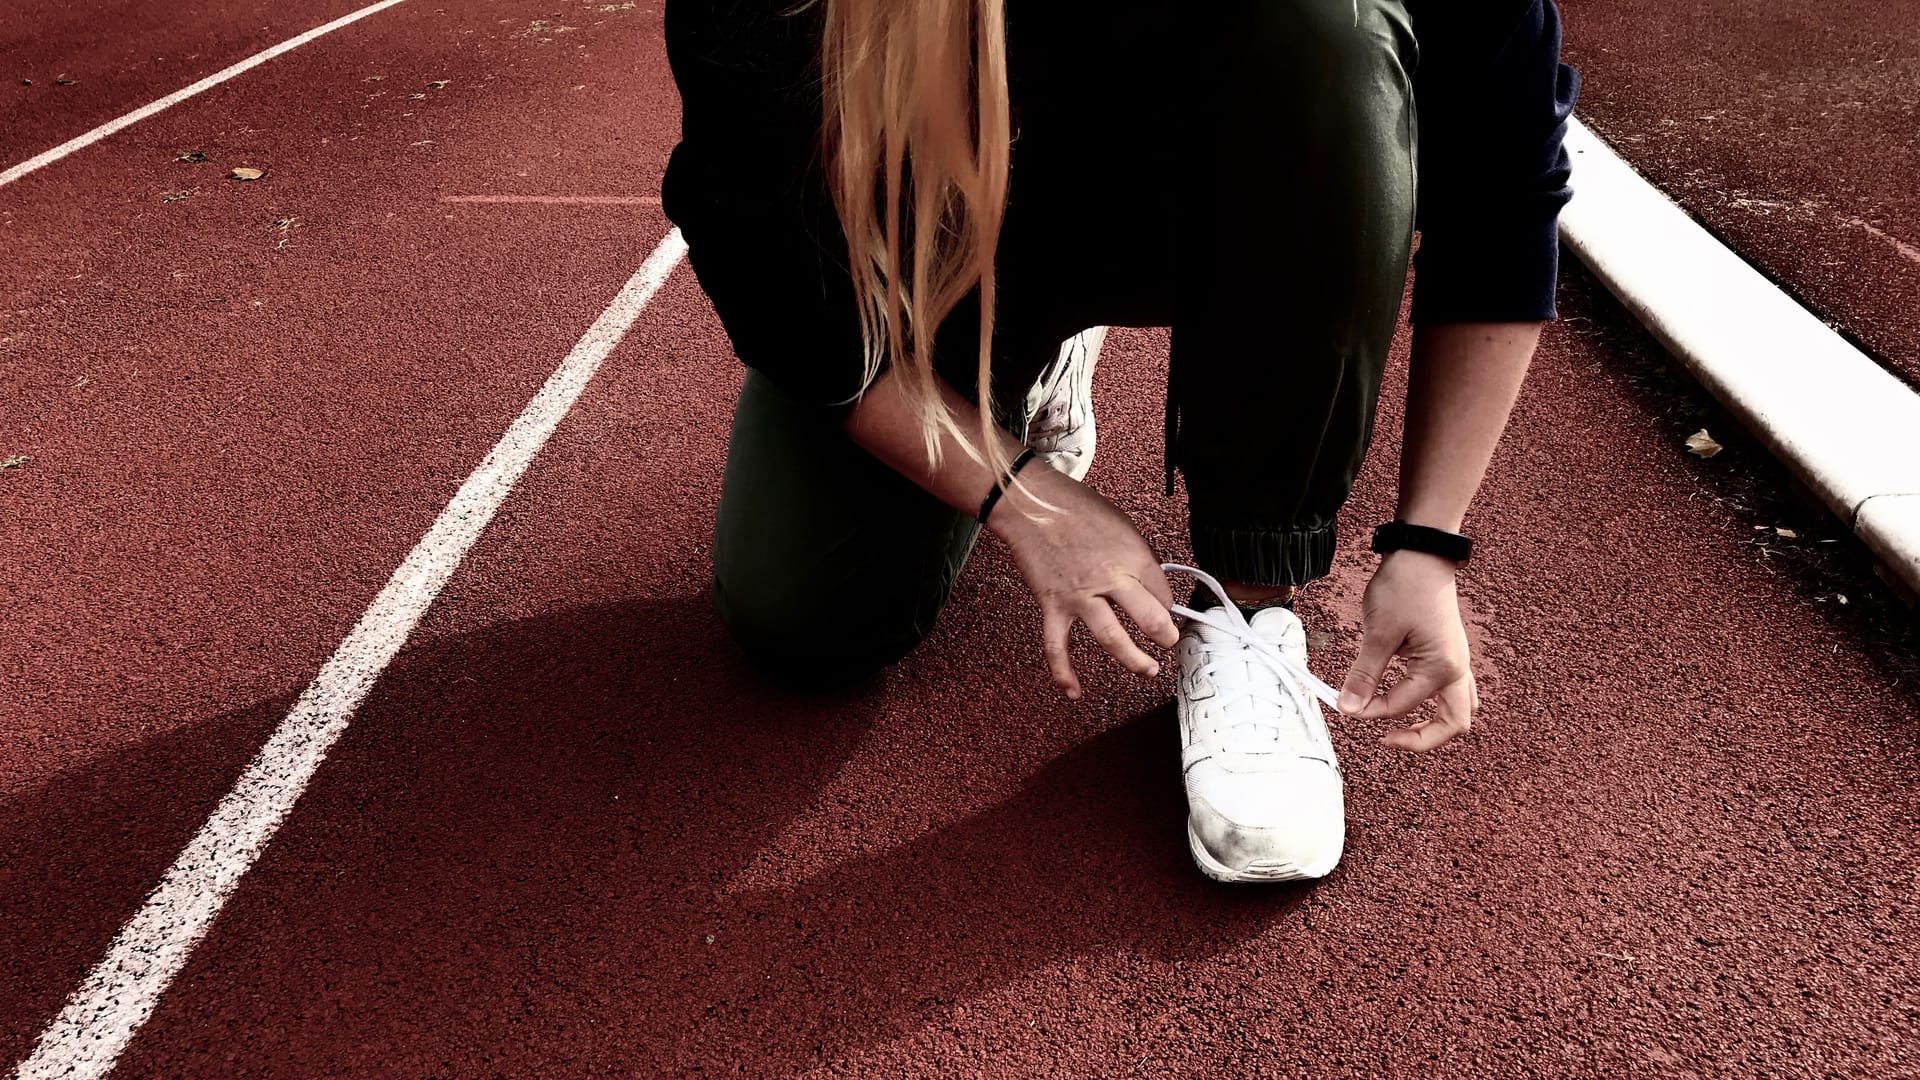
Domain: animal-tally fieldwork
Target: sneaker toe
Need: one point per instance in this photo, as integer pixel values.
(1279, 824)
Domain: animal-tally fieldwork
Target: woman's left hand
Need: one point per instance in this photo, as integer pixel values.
(1412, 611)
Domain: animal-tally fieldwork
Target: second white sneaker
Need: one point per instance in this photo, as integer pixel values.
(1062, 428)
(1264, 795)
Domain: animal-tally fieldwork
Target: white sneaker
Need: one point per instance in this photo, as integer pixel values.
(1061, 405)
(1264, 792)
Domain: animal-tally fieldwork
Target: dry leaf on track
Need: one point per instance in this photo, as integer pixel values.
(246, 174)
(192, 157)
(439, 84)
(15, 461)
(1701, 444)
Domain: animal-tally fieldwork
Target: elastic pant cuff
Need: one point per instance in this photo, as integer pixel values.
(1263, 556)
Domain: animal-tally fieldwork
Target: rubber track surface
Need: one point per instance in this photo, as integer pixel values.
(1787, 129)
(67, 66)
(242, 408)
(571, 835)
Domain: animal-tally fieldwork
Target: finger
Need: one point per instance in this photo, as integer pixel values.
(1147, 612)
(1154, 580)
(1376, 652)
(1113, 637)
(1453, 716)
(1055, 628)
(1422, 682)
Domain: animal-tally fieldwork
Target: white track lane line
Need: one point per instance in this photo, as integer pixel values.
(83, 141)
(120, 993)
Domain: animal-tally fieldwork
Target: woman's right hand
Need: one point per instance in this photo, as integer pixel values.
(1082, 560)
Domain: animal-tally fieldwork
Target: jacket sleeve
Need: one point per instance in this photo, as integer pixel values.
(744, 186)
(769, 265)
(1493, 100)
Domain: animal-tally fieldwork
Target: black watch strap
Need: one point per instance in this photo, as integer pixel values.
(1400, 536)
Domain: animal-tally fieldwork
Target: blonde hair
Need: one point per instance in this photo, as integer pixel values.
(918, 139)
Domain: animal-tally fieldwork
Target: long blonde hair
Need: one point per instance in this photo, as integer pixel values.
(917, 136)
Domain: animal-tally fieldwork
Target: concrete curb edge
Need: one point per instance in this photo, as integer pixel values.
(1845, 426)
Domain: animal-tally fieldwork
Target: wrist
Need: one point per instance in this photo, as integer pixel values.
(1037, 487)
(1004, 483)
(1420, 562)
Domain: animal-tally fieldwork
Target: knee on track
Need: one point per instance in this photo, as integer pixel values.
(808, 643)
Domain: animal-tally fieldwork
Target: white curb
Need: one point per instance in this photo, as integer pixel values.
(1889, 524)
(1848, 428)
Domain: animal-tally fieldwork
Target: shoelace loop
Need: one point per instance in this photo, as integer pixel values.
(1227, 619)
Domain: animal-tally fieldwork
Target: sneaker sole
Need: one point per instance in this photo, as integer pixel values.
(1260, 870)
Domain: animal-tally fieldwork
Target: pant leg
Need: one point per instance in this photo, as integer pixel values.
(1295, 227)
(828, 565)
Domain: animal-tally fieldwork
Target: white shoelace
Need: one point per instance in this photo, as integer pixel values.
(1294, 678)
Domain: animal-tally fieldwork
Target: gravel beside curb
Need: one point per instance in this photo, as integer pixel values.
(1848, 428)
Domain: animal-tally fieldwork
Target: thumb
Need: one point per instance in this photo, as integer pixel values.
(1376, 652)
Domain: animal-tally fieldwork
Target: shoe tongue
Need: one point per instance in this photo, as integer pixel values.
(1282, 627)
(1276, 624)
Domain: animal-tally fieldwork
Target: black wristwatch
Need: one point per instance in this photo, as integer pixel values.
(1400, 536)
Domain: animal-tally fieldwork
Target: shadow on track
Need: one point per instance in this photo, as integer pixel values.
(79, 853)
(544, 846)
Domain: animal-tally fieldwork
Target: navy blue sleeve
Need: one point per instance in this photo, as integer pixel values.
(1493, 100)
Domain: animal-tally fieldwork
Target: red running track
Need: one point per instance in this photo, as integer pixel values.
(244, 407)
(569, 834)
(67, 66)
(1792, 130)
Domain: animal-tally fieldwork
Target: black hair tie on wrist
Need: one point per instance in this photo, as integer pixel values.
(1006, 479)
